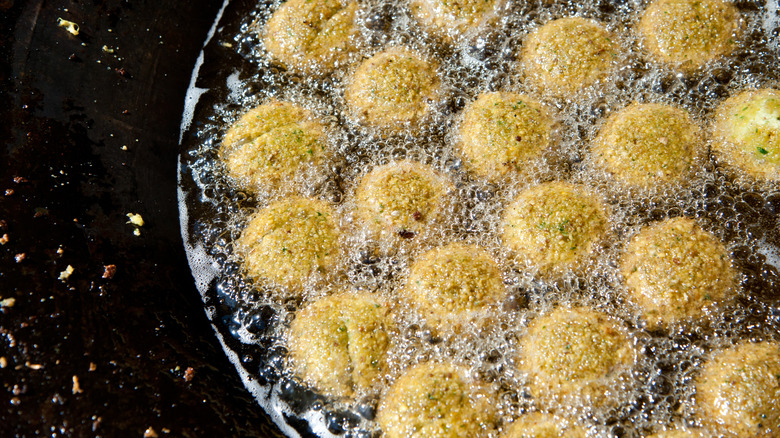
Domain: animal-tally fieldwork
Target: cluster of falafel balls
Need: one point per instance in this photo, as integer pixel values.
(674, 272)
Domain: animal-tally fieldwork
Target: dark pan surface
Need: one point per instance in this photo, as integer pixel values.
(136, 342)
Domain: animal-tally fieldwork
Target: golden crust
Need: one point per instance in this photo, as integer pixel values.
(569, 54)
(435, 401)
(578, 358)
(738, 391)
(402, 201)
(689, 33)
(288, 241)
(646, 145)
(393, 89)
(453, 283)
(272, 144)
(746, 133)
(541, 425)
(554, 227)
(338, 344)
(504, 134)
(675, 272)
(450, 20)
(312, 36)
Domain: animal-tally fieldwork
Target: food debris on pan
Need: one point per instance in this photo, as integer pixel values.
(414, 180)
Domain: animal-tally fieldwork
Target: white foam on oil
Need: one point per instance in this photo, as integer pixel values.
(771, 22)
(771, 252)
(194, 93)
(234, 85)
(363, 151)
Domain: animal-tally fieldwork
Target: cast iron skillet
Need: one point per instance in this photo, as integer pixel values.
(90, 132)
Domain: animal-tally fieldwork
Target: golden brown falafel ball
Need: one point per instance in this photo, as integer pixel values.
(450, 20)
(289, 240)
(747, 133)
(453, 283)
(338, 343)
(554, 227)
(435, 401)
(738, 391)
(540, 425)
(503, 134)
(313, 36)
(675, 272)
(271, 144)
(402, 201)
(689, 33)
(393, 89)
(577, 358)
(568, 54)
(647, 145)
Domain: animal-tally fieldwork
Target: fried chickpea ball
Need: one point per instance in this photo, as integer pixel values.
(568, 54)
(435, 401)
(288, 241)
(313, 36)
(503, 134)
(577, 357)
(392, 89)
(540, 425)
(271, 144)
(738, 391)
(338, 344)
(646, 145)
(747, 133)
(678, 433)
(402, 200)
(689, 33)
(450, 20)
(452, 283)
(675, 272)
(554, 227)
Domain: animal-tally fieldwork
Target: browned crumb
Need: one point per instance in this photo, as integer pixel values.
(76, 388)
(150, 433)
(189, 374)
(109, 271)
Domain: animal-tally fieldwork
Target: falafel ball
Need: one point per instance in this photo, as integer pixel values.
(738, 391)
(450, 20)
(313, 36)
(435, 400)
(541, 425)
(554, 227)
(689, 33)
(675, 272)
(272, 144)
(577, 357)
(402, 201)
(393, 89)
(647, 145)
(290, 240)
(453, 283)
(504, 134)
(338, 344)
(568, 54)
(747, 133)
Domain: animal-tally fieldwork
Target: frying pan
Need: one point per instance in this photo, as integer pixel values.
(121, 346)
